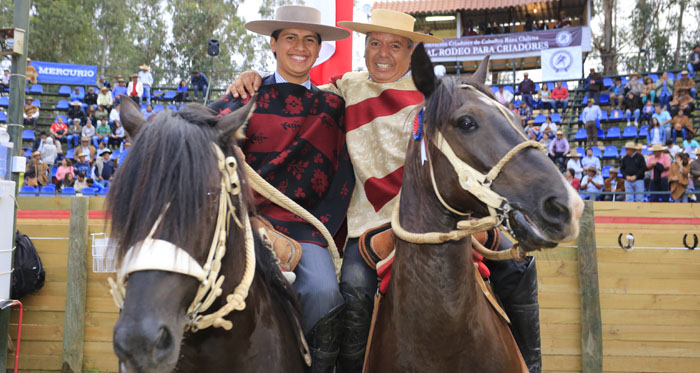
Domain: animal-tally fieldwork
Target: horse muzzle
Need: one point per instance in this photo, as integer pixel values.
(145, 346)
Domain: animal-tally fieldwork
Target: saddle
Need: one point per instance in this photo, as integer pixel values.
(286, 249)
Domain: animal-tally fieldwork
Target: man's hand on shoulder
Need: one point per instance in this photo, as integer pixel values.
(246, 84)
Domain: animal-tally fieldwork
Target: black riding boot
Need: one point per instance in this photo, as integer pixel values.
(524, 313)
(324, 341)
(356, 323)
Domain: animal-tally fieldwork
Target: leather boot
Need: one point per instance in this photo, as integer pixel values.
(356, 323)
(524, 313)
(324, 341)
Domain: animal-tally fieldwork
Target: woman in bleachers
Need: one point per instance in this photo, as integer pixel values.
(49, 152)
(68, 180)
(649, 90)
(664, 90)
(545, 96)
(65, 168)
(678, 177)
(181, 95)
(647, 113)
(656, 135)
(572, 179)
(117, 136)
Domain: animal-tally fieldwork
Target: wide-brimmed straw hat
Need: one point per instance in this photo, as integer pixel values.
(630, 145)
(696, 151)
(144, 67)
(36, 153)
(657, 148)
(684, 72)
(636, 74)
(574, 153)
(297, 17)
(75, 103)
(30, 98)
(391, 22)
(104, 89)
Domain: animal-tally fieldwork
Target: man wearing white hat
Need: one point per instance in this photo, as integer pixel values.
(146, 80)
(296, 141)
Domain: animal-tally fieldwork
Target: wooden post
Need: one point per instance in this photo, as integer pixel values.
(76, 286)
(591, 328)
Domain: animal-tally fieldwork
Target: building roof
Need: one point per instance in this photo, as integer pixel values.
(437, 6)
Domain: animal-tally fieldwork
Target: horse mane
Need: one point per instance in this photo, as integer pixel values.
(175, 150)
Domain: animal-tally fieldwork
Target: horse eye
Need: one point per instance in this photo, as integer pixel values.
(466, 123)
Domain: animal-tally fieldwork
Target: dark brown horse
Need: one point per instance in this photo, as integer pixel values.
(434, 317)
(173, 175)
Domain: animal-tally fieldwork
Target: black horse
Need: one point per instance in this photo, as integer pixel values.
(170, 188)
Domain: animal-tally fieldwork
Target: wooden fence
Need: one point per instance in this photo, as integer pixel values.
(649, 297)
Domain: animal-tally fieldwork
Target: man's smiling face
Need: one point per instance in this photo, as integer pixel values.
(388, 57)
(296, 50)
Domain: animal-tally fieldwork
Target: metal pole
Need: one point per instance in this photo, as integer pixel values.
(15, 120)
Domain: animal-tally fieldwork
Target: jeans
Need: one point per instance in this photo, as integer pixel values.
(594, 95)
(202, 88)
(73, 140)
(629, 114)
(146, 94)
(634, 186)
(96, 141)
(662, 186)
(316, 285)
(674, 134)
(561, 104)
(527, 98)
(664, 101)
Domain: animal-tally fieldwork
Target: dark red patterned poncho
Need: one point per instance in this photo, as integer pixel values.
(296, 141)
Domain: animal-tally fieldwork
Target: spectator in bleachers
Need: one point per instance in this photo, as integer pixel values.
(5, 82)
(66, 167)
(49, 152)
(31, 113)
(695, 170)
(512, 108)
(592, 183)
(594, 84)
(526, 89)
(545, 97)
(135, 89)
(659, 163)
(199, 83)
(564, 21)
(105, 98)
(39, 142)
(90, 97)
(664, 90)
(503, 96)
(119, 89)
(89, 132)
(574, 163)
(103, 83)
(694, 61)
(673, 149)
(82, 165)
(648, 111)
(80, 183)
(591, 114)
(104, 169)
(531, 131)
(572, 179)
(691, 148)
(102, 133)
(631, 106)
(683, 102)
(633, 167)
(560, 94)
(525, 113)
(76, 112)
(558, 149)
(75, 131)
(548, 128)
(146, 80)
(31, 73)
(678, 178)
(90, 114)
(181, 95)
(590, 159)
(649, 90)
(656, 134)
(117, 136)
(114, 116)
(37, 172)
(59, 130)
(616, 92)
(636, 85)
(664, 118)
(67, 181)
(681, 125)
(685, 84)
(614, 183)
(126, 144)
(101, 113)
(148, 113)
(77, 96)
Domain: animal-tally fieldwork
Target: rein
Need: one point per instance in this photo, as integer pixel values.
(161, 255)
(479, 185)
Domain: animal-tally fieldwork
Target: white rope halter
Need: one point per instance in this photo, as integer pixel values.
(479, 185)
(160, 255)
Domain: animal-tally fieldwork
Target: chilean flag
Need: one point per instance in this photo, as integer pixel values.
(335, 57)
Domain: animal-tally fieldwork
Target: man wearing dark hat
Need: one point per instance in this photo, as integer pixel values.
(296, 141)
(135, 89)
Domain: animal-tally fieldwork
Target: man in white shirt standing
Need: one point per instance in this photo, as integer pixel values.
(146, 80)
(503, 96)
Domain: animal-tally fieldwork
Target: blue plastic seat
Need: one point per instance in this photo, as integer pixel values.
(580, 150)
(550, 86)
(613, 133)
(615, 115)
(644, 131)
(597, 152)
(585, 100)
(623, 80)
(654, 77)
(611, 152)
(62, 105)
(70, 153)
(494, 89)
(54, 171)
(629, 133)
(47, 190)
(671, 76)
(28, 135)
(158, 108)
(605, 172)
(143, 106)
(555, 117)
(539, 119)
(64, 90)
(4, 101)
(172, 107)
(89, 191)
(580, 135)
(646, 151)
(28, 152)
(601, 136)
(607, 82)
(27, 190)
(3, 117)
(36, 89)
(68, 191)
(169, 95)
(604, 98)
(158, 92)
(516, 103)
(115, 154)
(603, 115)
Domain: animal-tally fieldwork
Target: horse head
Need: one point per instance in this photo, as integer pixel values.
(482, 164)
(167, 199)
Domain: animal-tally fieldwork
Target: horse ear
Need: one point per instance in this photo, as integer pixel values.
(422, 70)
(130, 115)
(482, 71)
(232, 126)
